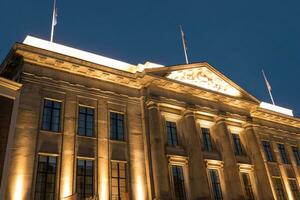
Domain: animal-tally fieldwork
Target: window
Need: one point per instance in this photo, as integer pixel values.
(296, 154)
(46, 178)
(118, 181)
(284, 156)
(247, 186)
(85, 121)
(278, 188)
(172, 133)
(178, 181)
(238, 149)
(85, 178)
(294, 188)
(206, 140)
(51, 115)
(215, 182)
(268, 151)
(117, 126)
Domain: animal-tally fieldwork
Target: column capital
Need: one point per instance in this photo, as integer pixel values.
(220, 119)
(151, 104)
(188, 113)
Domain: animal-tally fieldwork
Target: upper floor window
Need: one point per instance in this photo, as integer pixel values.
(295, 189)
(172, 133)
(85, 178)
(247, 186)
(268, 151)
(51, 115)
(206, 140)
(215, 183)
(237, 144)
(85, 121)
(178, 181)
(117, 126)
(296, 154)
(118, 181)
(46, 178)
(283, 154)
(278, 187)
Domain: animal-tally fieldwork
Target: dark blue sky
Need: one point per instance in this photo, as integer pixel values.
(239, 38)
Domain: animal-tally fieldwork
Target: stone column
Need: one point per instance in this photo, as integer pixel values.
(159, 161)
(68, 144)
(263, 184)
(231, 171)
(198, 178)
(136, 152)
(103, 156)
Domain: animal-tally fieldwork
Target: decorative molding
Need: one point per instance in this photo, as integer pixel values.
(214, 164)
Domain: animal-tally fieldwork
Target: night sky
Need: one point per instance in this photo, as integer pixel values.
(238, 38)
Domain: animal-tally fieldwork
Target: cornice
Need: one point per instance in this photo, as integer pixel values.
(12, 85)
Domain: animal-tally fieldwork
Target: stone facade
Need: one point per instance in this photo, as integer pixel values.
(148, 99)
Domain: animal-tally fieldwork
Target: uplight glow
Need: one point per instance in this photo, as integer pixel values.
(275, 108)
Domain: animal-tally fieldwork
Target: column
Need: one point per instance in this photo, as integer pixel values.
(136, 153)
(198, 178)
(68, 144)
(263, 184)
(103, 154)
(158, 156)
(231, 171)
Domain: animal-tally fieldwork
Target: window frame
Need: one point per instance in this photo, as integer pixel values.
(84, 175)
(269, 152)
(126, 178)
(60, 124)
(212, 184)
(294, 188)
(174, 136)
(86, 114)
(206, 146)
(124, 137)
(46, 175)
(283, 154)
(249, 185)
(296, 154)
(238, 147)
(282, 192)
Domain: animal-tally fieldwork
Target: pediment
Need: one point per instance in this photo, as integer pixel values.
(204, 76)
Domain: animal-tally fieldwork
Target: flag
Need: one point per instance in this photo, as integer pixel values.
(184, 45)
(55, 17)
(267, 82)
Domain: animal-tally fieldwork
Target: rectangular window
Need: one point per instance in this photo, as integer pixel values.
(216, 185)
(206, 140)
(117, 126)
(296, 154)
(118, 181)
(247, 186)
(178, 180)
(172, 133)
(268, 151)
(278, 188)
(85, 178)
(86, 121)
(294, 188)
(283, 154)
(51, 115)
(238, 149)
(46, 178)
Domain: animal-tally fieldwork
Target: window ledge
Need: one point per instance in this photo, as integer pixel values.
(88, 137)
(50, 132)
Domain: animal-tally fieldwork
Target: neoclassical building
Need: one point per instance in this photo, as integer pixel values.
(78, 125)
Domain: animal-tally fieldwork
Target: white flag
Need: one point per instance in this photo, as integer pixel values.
(267, 82)
(55, 17)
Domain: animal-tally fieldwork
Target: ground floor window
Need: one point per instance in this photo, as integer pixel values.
(278, 187)
(178, 181)
(85, 178)
(215, 183)
(46, 178)
(118, 181)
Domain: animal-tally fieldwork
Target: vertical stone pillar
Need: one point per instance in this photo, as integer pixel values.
(68, 144)
(23, 148)
(103, 154)
(158, 157)
(263, 184)
(136, 153)
(198, 178)
(231, 171)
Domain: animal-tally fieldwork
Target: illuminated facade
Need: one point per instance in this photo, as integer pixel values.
(75, 123)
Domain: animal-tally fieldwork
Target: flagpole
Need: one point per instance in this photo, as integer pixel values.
(53, 20)
(184, 45)
(268, 87)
